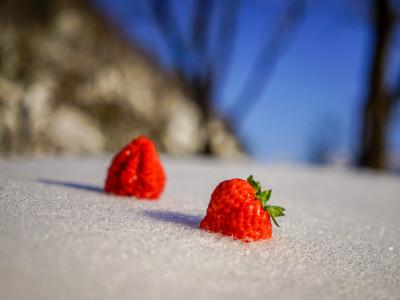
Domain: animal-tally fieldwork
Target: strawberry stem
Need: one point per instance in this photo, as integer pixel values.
(264, 196)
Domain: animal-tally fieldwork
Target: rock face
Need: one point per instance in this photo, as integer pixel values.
(69, 83)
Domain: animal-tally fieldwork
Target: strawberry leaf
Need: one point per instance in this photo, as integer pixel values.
(254, 184)
(274, 212)
(274, 220)
(264, 196)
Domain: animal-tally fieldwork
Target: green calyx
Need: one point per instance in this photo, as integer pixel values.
(264, 196)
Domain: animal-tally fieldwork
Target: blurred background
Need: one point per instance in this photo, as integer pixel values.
(295, 80)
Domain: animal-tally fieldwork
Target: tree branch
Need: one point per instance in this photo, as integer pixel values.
(256, 82)
(200, 28)
(210, 65)
(394, 97)
(170, 32)
(222, 55)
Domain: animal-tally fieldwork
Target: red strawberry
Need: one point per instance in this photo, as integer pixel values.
(136, 171)
(239, 208)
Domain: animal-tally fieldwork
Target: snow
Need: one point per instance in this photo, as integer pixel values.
(62, 238)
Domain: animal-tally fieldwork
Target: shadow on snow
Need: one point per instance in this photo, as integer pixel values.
(74, 185)
(174, 217)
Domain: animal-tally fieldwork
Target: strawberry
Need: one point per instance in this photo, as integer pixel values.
(238, 208)
(136, 171)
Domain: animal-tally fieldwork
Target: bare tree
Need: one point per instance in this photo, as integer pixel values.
(381, 98)
(202, 64)
(263, 66)
(202, 70)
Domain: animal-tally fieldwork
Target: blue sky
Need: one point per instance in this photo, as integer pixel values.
(316, 88)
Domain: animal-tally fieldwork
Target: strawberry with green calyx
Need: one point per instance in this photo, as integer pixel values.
(264, 196)
(238, 208)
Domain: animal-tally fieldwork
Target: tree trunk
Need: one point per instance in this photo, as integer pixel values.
(373, 139)
(377, 109)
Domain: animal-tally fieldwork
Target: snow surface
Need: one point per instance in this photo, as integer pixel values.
(61, 237)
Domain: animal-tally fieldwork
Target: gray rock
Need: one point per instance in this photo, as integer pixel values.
(10, 103)
(71, 131)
